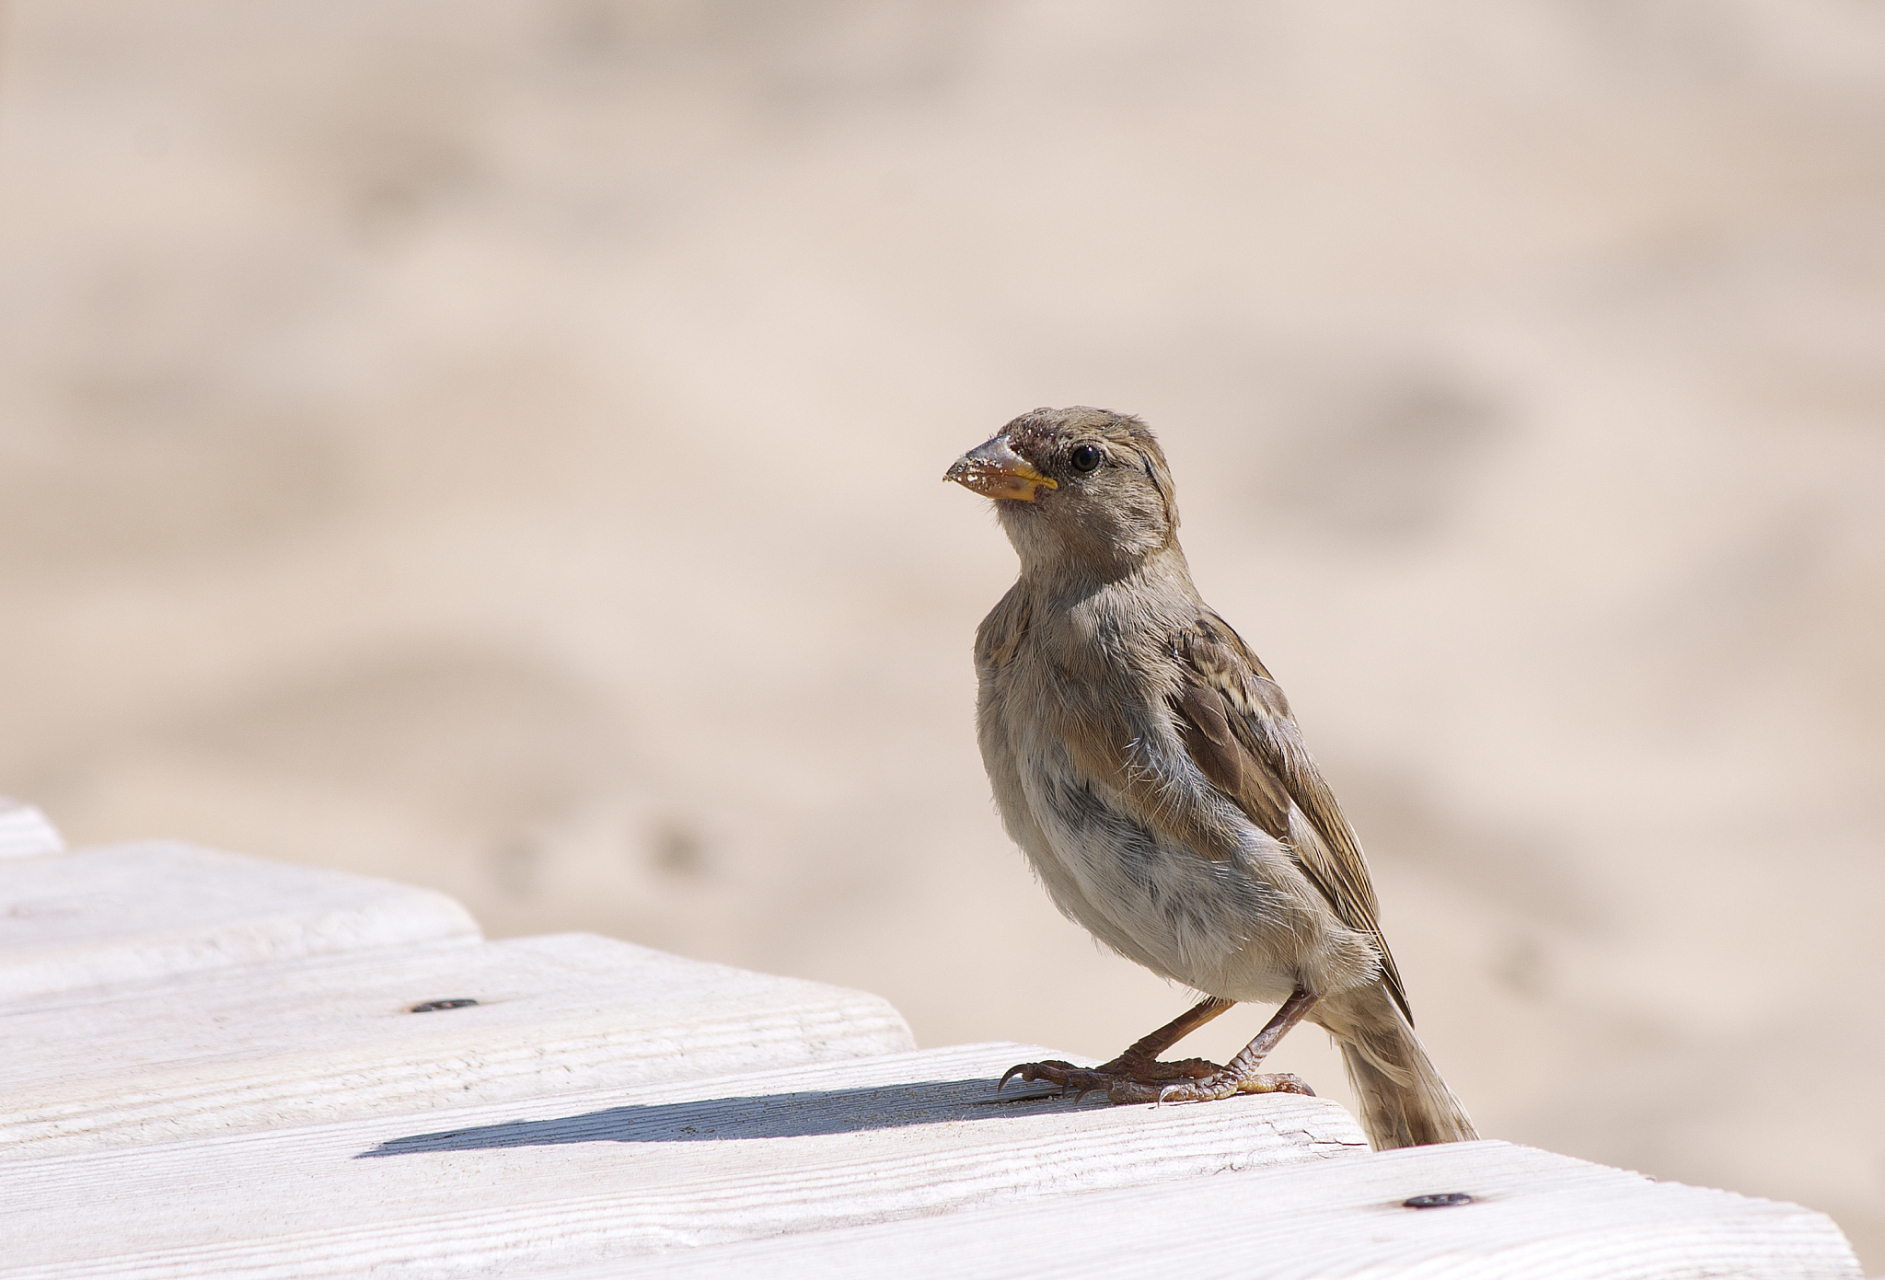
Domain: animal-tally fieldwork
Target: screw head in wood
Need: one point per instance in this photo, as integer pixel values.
(1438, 1200)
(433, 1006)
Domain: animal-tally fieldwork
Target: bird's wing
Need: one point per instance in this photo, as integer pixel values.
(1237, 726)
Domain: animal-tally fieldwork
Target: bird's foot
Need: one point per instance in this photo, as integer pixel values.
(1224, 1083)
(1124, 1079)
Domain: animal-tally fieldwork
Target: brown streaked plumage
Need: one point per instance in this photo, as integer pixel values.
(1149, 767)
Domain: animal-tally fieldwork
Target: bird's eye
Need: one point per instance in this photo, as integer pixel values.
(1085, 457)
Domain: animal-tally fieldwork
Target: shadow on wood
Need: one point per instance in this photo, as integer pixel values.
(774, 1115)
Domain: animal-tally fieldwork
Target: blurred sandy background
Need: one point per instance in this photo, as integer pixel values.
(497, 446)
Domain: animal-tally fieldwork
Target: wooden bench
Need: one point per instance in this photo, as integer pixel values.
(223, 1067)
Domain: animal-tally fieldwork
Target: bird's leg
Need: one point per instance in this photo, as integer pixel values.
(1144, 1052)
(1139, 1063)
(1239, 1075)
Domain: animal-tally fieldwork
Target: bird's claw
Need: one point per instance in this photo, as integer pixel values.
(1143, 1080)
(1221, 1084)
(1054, 1071)
(1080, 1081)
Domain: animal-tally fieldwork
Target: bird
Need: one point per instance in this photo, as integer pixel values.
(1149, 767)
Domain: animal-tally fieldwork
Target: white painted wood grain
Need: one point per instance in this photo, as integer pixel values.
(25, 832)
(312, 1040)
(1535, 1214)
(144, 910)
(628, 1173)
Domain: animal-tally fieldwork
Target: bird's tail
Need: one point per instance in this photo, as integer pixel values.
(1404, 1102)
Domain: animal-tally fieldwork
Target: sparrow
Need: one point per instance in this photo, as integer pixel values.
(1149, 768)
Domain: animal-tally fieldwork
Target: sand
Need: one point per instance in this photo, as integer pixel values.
(497, 446)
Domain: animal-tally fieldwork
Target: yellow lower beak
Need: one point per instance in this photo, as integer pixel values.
(996, 470)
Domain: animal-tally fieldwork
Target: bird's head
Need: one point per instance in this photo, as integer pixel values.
(1076, 489)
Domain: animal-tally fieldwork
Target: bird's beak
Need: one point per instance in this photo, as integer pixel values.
(996, 470)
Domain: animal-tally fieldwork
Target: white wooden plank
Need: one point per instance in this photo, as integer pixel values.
(306, 1041)
(25, 832)
(144, 910)
(1534, 1214)
(620, 1174)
